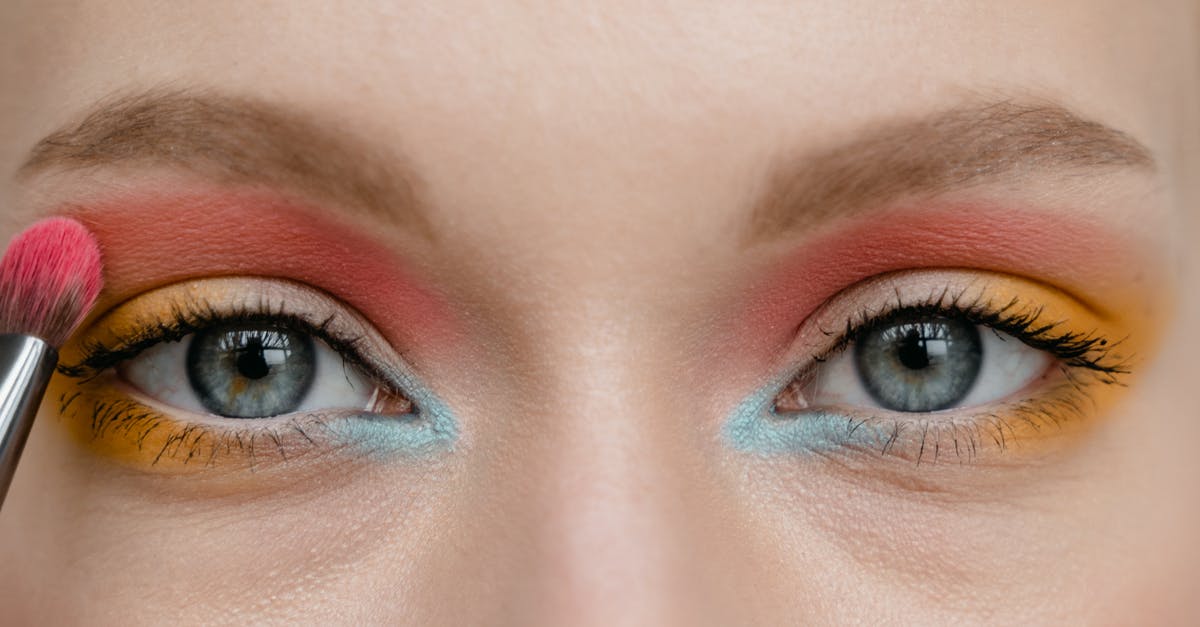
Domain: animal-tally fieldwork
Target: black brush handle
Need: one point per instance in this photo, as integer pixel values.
(26, 365)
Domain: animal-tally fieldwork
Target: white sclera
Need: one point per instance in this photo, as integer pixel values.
(160, 372)
(1008, 366)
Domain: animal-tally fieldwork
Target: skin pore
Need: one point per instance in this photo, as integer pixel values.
(593, 233)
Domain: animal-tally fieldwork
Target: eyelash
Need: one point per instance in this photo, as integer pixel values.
(1084, 359)
(1090, 351)
(190, 440)
(195, 317)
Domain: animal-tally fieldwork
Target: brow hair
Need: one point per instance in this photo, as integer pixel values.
(934, 154)
(233, 140)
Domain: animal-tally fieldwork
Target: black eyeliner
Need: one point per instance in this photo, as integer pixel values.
(98, 356)
(1090, 350)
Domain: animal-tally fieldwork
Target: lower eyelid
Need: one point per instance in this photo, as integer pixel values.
(120, 427)
(979, 436)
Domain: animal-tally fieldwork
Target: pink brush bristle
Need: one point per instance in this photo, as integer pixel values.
(50, 278)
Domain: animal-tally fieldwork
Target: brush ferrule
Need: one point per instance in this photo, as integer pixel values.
(26, 365)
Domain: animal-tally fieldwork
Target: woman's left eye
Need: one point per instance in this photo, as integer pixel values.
(257, 370)
(919, 363)
(935, 365)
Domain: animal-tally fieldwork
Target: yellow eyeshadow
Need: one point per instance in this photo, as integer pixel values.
(1133, 317)
(151, 310)
(119, 427)
(1072, 395)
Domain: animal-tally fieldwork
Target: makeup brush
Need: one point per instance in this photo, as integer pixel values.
(49, 280)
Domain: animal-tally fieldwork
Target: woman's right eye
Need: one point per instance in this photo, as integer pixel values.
(249, 371)
(236, 371)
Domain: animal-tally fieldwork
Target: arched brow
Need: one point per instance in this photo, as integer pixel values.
(935, 154)
(236, 140)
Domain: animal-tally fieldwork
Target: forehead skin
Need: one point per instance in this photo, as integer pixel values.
(601, 160)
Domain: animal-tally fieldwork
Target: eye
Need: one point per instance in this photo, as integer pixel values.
(917, 362)
(935, 365)
(242, 371)
(248, 371)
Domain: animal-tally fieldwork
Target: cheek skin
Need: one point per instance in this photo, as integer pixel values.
(150, 240)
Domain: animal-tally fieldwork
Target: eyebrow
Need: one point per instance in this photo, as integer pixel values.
(935, 154)
(239, 140)
(235, 140)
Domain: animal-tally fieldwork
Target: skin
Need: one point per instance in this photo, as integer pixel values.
(586, 172)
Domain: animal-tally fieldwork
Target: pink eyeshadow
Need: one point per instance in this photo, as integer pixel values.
(1054, 248)
(158, 239)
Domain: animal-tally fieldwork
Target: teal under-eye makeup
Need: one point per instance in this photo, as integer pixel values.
(241, 373)
(755, 426)
(936, 366)
(428, 427)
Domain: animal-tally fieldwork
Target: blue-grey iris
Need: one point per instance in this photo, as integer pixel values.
(919, 364)
(251, 371)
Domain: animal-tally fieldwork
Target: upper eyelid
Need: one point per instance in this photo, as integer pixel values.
(978, 293)
(98, 356)
(1014, 318)
(266, 299)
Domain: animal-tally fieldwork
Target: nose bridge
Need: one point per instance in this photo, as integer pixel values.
(616, 531)
(610, 534)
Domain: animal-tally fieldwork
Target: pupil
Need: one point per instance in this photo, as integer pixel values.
(919, 363)
(912, 351)
(251, 370)
(252, 362)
